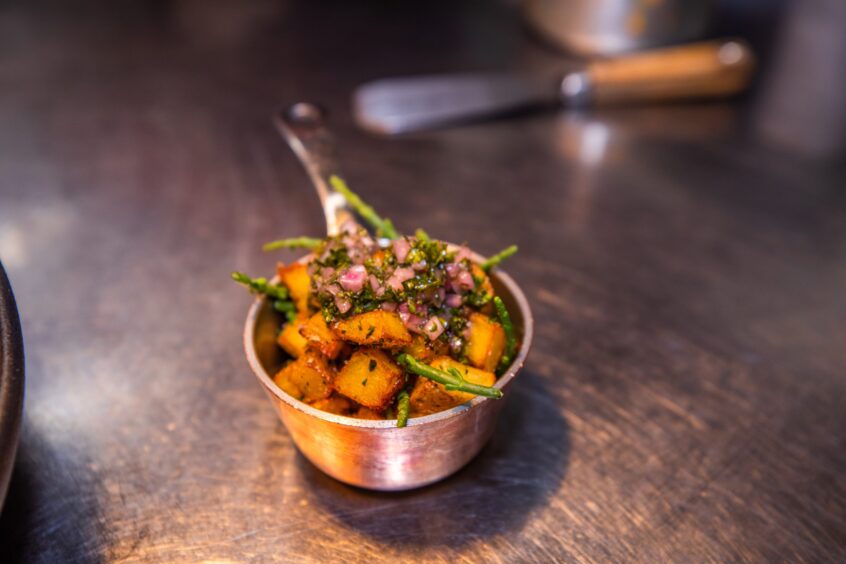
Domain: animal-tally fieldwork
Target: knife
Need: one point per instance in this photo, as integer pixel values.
(709, 69)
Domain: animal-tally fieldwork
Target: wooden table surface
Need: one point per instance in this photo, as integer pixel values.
(685, 399)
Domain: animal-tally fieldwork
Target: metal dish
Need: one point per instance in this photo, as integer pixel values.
(11, 381)
(366, 453)
(610, 27)
(376, 454)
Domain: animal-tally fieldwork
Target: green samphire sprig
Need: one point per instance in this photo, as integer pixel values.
(383, 226)
(449, 380)
(494, 261)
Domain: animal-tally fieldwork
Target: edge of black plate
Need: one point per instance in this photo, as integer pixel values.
(11, 381)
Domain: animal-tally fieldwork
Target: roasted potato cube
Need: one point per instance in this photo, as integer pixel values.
(430, 397)
(487, 286)
(378, 328)
(364, 413)
(420, 349)
(425, 350)
(320, 337)
(290, 338)
(370, 378)
(485, 343)
(283, 380)
(339, 405)
(266, 339)
(295, 277)
(309, 378)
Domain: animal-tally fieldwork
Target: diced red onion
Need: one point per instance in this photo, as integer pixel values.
(401, 248)
(343, 304)
(389, 306)
(433, 328)
(404, 274)
(441, 296)
(399, 276)
(353, 279)
(333, 289)
(464, 280)
(411, 321)
(374, 282)
(453, 300)
(452, 269)
(419, 266)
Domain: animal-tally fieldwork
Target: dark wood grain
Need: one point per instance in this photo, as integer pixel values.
(685, 396)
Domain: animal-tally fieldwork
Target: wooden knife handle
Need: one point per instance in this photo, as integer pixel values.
(698, 70)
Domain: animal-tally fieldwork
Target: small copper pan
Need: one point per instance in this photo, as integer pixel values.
(367, 453)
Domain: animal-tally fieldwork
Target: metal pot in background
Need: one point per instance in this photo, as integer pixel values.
(610, 27)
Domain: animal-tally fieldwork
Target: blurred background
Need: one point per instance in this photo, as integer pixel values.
(685, 261)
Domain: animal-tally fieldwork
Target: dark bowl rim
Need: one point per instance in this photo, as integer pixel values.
(11, 381)
(390, 424)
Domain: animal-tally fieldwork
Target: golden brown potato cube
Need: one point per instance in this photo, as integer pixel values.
(320, 337)
(266, 339)
(485, 342)
(420, 349)
(425, 350)
(479, 274)
(370, 378)
(283, 380)
(339, 405)
(290, 338)
(309, 378)
(364, 413)
(430, 397)
(295, 277)
(378, 328)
